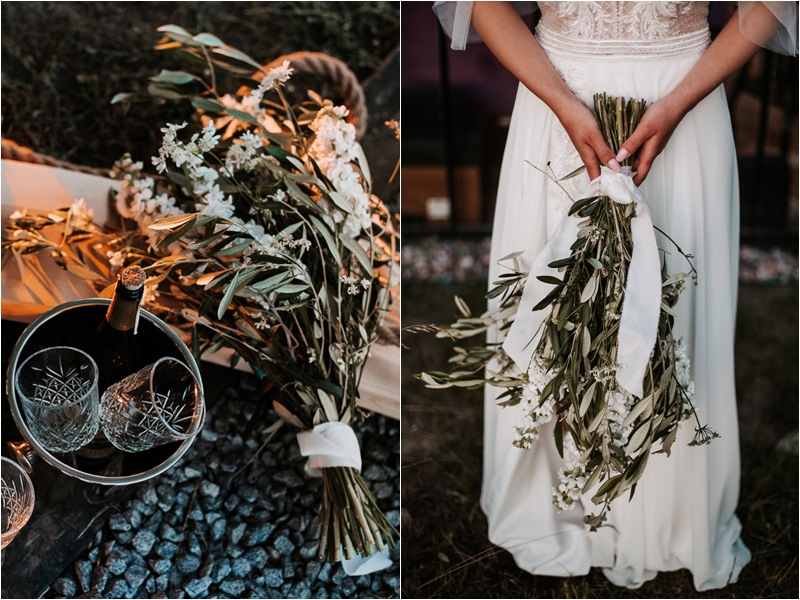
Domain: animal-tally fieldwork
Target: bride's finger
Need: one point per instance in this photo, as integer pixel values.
(645, 161)
(591, 162)
(633, 143)
(604, 154)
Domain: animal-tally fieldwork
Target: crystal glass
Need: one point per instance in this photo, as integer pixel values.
(18, 498)
(57, 388)
(158, 404)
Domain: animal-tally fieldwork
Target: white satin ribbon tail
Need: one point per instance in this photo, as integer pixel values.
(638, 329)
(364, 566)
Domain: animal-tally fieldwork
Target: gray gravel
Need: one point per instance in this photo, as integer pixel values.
(441, 260)
(195, 532)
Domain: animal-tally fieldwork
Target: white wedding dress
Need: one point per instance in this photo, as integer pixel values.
(682, 515)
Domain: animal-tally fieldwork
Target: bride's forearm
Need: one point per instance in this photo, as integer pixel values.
(729, 53)
(509, 39)
(506, 35)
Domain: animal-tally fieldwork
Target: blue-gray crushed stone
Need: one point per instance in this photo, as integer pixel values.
(225, 524)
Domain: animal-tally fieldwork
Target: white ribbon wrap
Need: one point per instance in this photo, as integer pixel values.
(334, 444)
(638, 329)
(331, 444)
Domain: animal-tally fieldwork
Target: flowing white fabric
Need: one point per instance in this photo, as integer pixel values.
(682, 515)
(331, 444)
(774, 28)
(638, 327)
(455, 20)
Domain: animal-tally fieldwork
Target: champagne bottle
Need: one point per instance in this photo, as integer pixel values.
(114, 348)
(114, 345)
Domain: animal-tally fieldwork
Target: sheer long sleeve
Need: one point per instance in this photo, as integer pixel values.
(774, 28)
(455, 20)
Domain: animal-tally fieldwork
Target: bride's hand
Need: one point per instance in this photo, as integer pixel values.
(651, 136)
(581, 126)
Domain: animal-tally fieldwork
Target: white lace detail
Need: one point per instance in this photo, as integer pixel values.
(555, 44)
(625, 30)
(562, 157)
(624, 20)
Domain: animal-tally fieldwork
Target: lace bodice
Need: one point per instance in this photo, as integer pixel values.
(623, 30)
(624, 20)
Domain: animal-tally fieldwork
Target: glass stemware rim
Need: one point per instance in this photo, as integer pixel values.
(199, 413)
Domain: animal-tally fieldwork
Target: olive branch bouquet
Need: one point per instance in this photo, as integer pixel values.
(259, 233)
(604, 433)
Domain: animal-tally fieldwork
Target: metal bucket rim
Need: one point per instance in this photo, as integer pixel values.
(42, 452)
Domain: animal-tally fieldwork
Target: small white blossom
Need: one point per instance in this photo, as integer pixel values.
(150, 294)
(534, 414)
(82, 215)
(244, 152)
(572, 475)
(116, 259)
(335, 148)
(275, 76)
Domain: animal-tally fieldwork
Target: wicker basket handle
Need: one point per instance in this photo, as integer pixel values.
(13, 151)
(339, 73)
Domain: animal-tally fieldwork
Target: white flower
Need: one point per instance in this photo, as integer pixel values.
(572, 476)
(150, 293)
(244, 152)
(275, 76)
(353, 284)
(533, 414)
(81, 215)
(335, 148)
(116, 259)
(216, 204)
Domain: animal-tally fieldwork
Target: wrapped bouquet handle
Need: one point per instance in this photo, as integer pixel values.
(638, 327)
(334, 444)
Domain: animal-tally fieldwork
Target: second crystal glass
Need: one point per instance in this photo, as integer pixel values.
(158, 404)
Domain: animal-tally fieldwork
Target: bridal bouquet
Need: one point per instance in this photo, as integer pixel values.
(589, 338)
(260, 233)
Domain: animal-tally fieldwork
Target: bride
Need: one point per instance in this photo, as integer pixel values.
(682, 515)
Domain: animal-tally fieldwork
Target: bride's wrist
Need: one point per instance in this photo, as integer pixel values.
(679, 103)
(567, 107)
